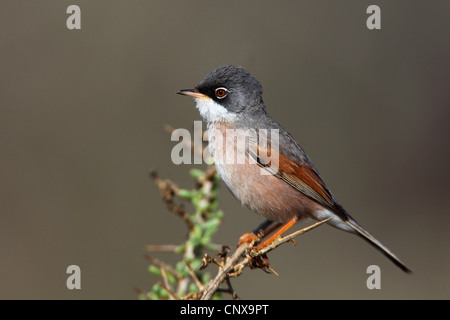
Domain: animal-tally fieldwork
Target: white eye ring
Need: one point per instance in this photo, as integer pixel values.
(221, 92)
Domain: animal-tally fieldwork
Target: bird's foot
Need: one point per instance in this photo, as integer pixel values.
(256, 260)
(249, 238)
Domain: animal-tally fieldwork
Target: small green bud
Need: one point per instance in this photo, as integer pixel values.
(196, 173)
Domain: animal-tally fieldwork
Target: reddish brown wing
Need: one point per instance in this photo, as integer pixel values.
(306, 180)
(302, 177)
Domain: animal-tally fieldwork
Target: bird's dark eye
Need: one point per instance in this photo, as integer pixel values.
(221, 93)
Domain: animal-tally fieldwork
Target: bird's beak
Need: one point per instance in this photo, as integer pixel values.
(194, 93)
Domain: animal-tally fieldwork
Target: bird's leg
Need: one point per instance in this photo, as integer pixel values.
(280, 231)
(262, 261)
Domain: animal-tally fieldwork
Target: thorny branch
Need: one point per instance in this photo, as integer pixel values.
(168, 191)
(242, 258)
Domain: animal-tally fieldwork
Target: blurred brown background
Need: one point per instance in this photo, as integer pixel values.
(81, 124)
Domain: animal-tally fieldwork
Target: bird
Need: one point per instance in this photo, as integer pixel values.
(277, 179)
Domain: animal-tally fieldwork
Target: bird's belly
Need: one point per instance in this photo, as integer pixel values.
(263, 194)
(266, 194)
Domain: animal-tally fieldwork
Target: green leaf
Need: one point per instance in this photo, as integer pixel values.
(205, 277)
(196, 173)
(180, 248)
(197, 232)
(218, 214)
(154, 296)
(211, 225)
(213, 206)
(192, 287)
(154, 270)
(196, 264)
(156, 289)
(182, 269)
(170, 277)
(185, 194)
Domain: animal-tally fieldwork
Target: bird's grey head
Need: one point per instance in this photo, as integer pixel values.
(226, 93)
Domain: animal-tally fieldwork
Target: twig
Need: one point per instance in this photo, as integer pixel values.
(166, 281)
(194, 277)
(161, 264)
(172, 295)
(229, 290)
(161, 247)
(168, 189)
(212, 285)
(234, 265)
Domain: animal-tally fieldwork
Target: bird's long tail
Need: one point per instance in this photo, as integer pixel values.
(377, 244)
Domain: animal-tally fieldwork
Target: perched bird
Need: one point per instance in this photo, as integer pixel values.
(277, 180)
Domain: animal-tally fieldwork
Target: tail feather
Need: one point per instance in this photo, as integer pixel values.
(378, 245)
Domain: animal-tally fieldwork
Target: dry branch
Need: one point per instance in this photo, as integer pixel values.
(242, 257)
